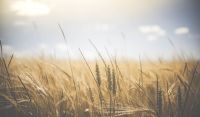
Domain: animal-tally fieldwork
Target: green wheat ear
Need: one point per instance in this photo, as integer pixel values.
(98, 77)
(114, 83)
(109, 79)
(179, 101)
(91, 95)
(110, 85)
(159, 99)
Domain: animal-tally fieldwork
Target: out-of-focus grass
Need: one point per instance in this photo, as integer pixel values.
(54, 88)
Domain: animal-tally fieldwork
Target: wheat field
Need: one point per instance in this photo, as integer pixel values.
(47, 87)
(99, 58)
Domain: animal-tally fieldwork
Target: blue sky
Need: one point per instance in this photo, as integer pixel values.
(126, 28)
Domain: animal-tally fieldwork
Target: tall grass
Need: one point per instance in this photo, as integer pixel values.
(52, 88)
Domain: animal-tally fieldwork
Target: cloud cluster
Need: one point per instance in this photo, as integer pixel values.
(152, 32)
(182, 31)
(30, 8)
(58, 50)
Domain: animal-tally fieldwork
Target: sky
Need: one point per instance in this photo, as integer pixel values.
(150, 29)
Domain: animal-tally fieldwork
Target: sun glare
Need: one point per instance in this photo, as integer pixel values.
(30, 8)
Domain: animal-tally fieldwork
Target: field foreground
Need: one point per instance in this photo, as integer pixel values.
(63, 88)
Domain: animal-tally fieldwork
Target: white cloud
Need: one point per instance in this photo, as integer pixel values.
(152, 32)
(30, 8)
(182, 30)
(152, 29)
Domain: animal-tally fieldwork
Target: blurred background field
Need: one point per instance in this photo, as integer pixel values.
(46, 87)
